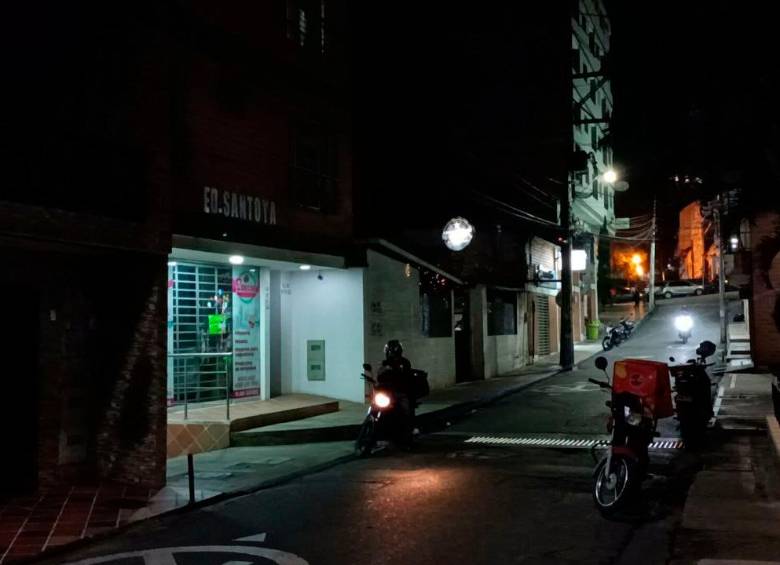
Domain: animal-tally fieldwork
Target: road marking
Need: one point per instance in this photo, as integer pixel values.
(718, 401)
(257, 538)
(565, 443)
(554, 390)
(733, 381)
(165, 555)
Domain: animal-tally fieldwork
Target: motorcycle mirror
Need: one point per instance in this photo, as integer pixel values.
(366, 366)
(671, 359)
(601, 363)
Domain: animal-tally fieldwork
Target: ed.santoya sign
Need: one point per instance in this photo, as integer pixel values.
(234, 205)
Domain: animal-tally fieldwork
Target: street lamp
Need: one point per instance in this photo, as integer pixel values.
(457, 234)
(610, 176)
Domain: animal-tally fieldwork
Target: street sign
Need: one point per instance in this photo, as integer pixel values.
(622, 223)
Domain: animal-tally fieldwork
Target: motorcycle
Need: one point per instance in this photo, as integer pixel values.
(615, 336)
(384, 420)
(627, 327)
(684, 325)
(640, 395)
(693, 395)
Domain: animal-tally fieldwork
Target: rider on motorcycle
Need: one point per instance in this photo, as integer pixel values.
(396, 373)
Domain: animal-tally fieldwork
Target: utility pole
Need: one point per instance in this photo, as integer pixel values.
(652, 263)
(721, 274)
(567, 334)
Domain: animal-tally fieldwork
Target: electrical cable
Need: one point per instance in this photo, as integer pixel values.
(508, 208)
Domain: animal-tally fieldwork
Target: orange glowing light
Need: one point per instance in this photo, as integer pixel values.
(629, 262)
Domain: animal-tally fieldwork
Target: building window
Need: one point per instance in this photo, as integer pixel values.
(594, 137)
(314, 169)
(607, 196)
(595, 188)
(502, 312)
(435, 305)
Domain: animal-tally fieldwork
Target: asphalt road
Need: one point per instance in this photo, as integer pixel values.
(448, 501)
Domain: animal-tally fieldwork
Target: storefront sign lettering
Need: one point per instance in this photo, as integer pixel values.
(240, 206)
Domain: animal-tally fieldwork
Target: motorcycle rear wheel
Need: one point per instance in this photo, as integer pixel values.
(614, 491)
(364, 444)
(606, 343)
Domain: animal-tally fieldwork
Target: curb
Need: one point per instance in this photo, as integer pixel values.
(773, 430)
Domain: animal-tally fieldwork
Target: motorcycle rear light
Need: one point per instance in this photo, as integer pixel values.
(381, 400)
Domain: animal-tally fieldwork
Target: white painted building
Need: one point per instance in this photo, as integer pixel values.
(283, 322)
(593, 198)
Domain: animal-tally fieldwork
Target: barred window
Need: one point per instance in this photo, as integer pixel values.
(314, 169)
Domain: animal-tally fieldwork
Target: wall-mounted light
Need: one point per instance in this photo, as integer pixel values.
(610, 176)
(236, 259)
(171, 263)
(304, 267)
(579, 260)
(734, 243)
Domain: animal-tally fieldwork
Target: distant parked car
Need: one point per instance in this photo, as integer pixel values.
(624, 294)
(712, 288)
(680, 288)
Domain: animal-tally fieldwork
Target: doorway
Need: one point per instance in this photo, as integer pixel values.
(462, 331)
(19, 338)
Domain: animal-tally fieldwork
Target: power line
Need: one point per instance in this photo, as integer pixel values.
(518, 212)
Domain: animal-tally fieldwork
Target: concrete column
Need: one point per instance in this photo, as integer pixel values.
(478, 321)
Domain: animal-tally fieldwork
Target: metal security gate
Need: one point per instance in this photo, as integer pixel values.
(201, 358)
(542, 319)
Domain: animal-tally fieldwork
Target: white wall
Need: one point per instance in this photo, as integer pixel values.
(329, 309)
(392, 307)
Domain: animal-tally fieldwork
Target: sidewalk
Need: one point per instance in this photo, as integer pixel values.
(732, 513)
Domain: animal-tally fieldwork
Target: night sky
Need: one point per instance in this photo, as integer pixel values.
(696, 90)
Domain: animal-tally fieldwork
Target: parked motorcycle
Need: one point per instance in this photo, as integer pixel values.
(384, 421)
(640, 395)
(615, 336)
(627, 327)
(693, 397)
(684, 325)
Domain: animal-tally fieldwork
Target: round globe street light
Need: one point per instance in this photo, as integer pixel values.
(457, 234)
(610, 176)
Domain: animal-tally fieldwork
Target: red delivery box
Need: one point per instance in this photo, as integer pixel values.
(647, 379)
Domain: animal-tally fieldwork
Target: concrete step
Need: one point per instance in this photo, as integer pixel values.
(282, 416)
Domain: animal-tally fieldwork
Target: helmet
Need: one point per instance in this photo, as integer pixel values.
(393, 348)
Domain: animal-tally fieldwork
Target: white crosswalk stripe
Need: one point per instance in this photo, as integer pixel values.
(570, 443)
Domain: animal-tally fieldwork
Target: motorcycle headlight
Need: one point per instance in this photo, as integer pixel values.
(683, 323)
(632, 418)
(382, 400)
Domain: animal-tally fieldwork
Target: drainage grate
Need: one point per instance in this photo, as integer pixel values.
(564, 443)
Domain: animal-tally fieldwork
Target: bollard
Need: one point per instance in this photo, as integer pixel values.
(191, 477)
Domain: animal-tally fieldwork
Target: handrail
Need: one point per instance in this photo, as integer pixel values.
(187, 388)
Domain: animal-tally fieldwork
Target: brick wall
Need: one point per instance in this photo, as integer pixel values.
(100, 364)
(765, 305)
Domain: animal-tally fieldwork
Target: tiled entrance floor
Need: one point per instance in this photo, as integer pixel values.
(31, 524)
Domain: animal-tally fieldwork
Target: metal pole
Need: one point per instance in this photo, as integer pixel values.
(185, 395)
(191, 477)
(652, 263)
(567, 336)
(721, 278)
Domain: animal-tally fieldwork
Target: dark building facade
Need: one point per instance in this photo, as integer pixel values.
(130, 134)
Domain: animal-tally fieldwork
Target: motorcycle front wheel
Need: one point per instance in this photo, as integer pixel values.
(614, 490)
(364, 444)
(606, 343)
